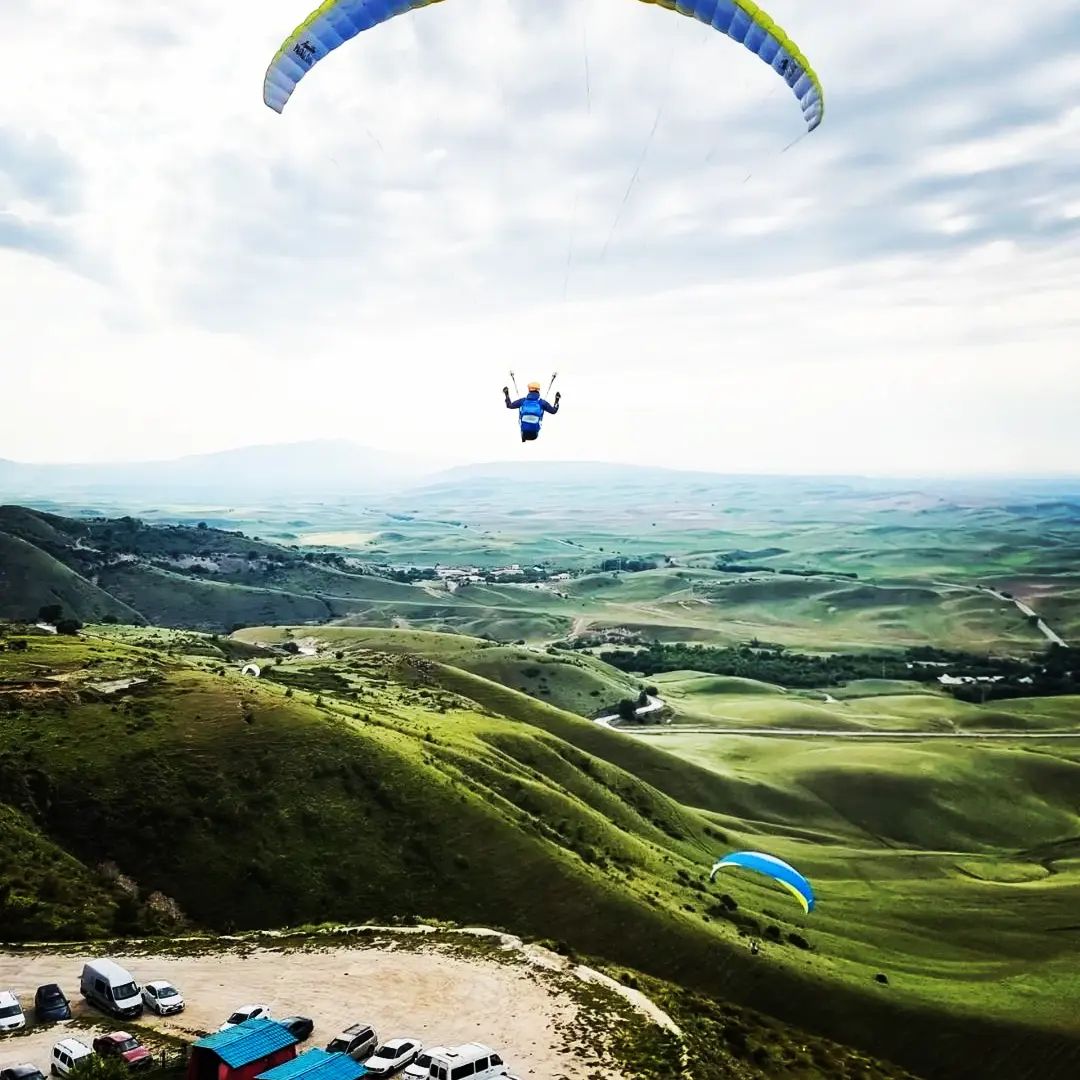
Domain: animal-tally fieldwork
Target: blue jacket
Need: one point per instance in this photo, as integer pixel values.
(531, 408)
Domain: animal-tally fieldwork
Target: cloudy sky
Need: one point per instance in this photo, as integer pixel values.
(453, 194)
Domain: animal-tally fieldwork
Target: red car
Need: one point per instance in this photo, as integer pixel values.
(124, 1046)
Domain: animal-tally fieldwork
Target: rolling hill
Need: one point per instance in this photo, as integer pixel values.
(480, 804)
(177, 576)
(213, 578)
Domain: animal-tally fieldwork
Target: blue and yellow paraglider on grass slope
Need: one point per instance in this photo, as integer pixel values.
(781, 872)
(338, 21)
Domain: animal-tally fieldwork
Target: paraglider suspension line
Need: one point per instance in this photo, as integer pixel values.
(570, 248)
(633, 180)
(644, 154)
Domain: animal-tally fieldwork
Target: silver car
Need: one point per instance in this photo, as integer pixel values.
(358, 1041)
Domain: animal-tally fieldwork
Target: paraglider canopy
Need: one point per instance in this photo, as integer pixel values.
(771, 866)
(337, 21)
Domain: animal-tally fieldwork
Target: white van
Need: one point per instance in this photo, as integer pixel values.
(418, 1070)
(111, 988)
(467, 1060)
(11, 1012)
(66, 1054)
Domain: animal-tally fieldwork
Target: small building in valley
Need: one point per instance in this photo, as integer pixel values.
(242, 1052)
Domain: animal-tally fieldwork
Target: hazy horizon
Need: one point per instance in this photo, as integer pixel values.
(422, 470)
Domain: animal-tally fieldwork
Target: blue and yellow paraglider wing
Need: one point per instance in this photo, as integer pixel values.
(327, 27)
(338, 21)
(743, 21)
(781, 872)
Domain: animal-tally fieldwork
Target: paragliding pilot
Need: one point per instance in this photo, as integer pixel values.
(531, 409)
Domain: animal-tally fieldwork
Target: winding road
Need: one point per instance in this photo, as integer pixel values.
(1049, 633)
(655, 705)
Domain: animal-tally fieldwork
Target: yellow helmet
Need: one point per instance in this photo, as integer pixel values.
(534, 386)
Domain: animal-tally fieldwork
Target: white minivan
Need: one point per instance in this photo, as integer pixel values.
(111, 988)
(419, 1069)
(66, 1054)
(11, 1012)
(467, 1060)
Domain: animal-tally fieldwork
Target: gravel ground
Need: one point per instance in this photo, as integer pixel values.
(439, 998)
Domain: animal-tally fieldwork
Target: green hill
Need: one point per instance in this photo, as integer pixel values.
(384, 784)
(45, 893)
(575, 682)
(183, 576)
(30, 578)
(170, 599)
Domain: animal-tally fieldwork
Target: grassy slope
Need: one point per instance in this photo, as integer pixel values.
(576, 683)
(820, 611)
(799, 804)
(34, 526)
(867, 704)
(897, 601)
(436, 804)
(31, 578)
(176, 600)
(45, 893)
(958, 891)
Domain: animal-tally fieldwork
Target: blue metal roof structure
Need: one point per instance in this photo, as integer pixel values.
(316, 1064)
(248, 1042)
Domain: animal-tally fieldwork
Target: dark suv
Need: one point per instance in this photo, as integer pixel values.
(50, 1003)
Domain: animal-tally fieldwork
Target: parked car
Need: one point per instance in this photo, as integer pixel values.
(21, 1072)
(12, 1016)
(246, 1012)
(163, 998)
(66, 1054)
(111, 988)
(476, 1059)
(119, 1044)
(393, 1055)
(358, 1041)
(420, 1068)
(50, 1003)
(300, 1026)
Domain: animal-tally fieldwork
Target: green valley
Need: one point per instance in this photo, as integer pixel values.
(350, 732)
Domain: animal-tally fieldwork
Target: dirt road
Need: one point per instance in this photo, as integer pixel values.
(437, 997)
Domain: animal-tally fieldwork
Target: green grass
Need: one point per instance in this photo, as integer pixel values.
(901, 597)
(863, 705)
(692, 684)
(175, 600)
(30, 578)
(937, 857)
(45, 893)
(406, 785)
(566, 680)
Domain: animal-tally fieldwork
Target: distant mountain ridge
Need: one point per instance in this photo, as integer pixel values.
(340, 467)
(321, 465)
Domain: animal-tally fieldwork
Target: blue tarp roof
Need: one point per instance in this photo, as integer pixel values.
(248, 1042)
(316, 1065)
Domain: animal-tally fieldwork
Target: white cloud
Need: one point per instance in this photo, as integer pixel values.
(184, 269)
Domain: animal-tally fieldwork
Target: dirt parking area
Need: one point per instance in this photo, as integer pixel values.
(437, 997)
